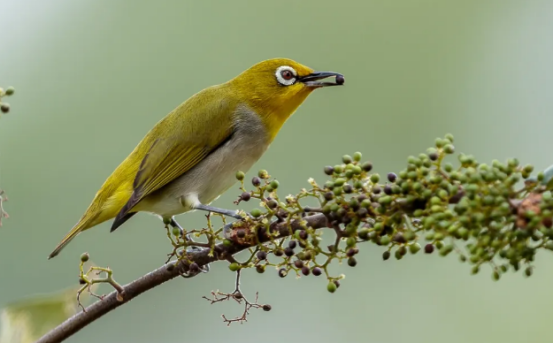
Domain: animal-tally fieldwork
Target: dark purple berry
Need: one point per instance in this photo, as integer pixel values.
(256, 181)
(388, 190)
(282, 272)
(245, 196)
(316, 271)
(303, 235)
(266, 308)
(289, 252)
(386, 255)
(429, 248)
(241, 233)
(328, 170)
(352, 262)
(292, 244)
(391, 177)
(305, 271)
(299, 264)
(262, 255)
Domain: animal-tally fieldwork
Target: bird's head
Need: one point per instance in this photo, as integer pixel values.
(275, 88)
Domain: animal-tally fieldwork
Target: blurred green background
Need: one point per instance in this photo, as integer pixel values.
(92, 77)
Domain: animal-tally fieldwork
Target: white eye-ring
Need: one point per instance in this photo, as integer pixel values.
(285, 75)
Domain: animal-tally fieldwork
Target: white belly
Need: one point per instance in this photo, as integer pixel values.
(213, 176)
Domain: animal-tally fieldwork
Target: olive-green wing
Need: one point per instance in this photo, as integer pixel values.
(170, 157)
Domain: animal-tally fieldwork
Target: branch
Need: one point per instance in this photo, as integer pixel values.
(477, 204)
(163, 274)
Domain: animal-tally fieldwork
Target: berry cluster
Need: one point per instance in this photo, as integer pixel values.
(490, 214)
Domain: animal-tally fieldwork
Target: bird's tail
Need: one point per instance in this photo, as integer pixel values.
(78, 228)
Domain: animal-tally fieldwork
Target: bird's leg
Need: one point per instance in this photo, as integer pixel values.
(174, 224)
(226, 212)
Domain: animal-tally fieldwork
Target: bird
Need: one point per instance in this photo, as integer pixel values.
(191, 157)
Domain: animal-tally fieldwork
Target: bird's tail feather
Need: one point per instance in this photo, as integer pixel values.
(80, 226)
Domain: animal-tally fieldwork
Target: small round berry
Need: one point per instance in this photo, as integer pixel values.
(305, 271)
(260, 269)
(357, 156)
(429, 248)
(283, 272)
(347, 188)
(449, 149)
(266, 308)
(289, 252)
(275, 184)
(347, 159)
(245, 196)
(263, 174)
(292, 244)
(240, 175)
(316, 271)
(9, 91)
(298, 264)
(303, 235)
(85, 257)
(386, 255)
(391, 177)
(433, 156)
(328, 170)
(234, 266)
(262, 255)
(5, 107)
(352, 262)
(339, 79)
(331, 287)
(272, 204)
(374, 178)
(176, 231)
(256, 212)
(256, 181)
(367, 166)
(278, 252)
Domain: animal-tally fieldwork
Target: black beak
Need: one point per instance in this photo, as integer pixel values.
(311, 80)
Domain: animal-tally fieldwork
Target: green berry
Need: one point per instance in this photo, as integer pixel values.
(346, 159)
(176, 231)
(275, 184)
(449, 149)
(263, 174)
(240, 175)
(351, 242)
(374, 178)
(357, 156)
(384, 240)
(85, 257)
(414, 248)
(234, 266)
(384, 200)
(339, 181)
(256, 212)
(10, 90)
(227, 242)
(449, 137)
(331, 287)
(495, 275)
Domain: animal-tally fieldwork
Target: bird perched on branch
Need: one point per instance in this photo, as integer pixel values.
(192, 155)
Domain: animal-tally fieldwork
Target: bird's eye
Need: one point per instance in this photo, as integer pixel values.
(285, 75)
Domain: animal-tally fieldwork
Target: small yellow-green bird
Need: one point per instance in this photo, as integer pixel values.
(192, 155)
